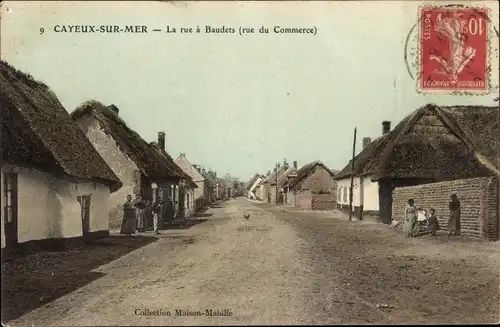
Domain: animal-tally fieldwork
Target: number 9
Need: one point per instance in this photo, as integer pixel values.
(41, 30)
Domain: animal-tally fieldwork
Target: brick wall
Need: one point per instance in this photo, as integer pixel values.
(478, 197)
(310, 201)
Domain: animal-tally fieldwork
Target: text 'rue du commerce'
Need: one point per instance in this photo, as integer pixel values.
(142, 29)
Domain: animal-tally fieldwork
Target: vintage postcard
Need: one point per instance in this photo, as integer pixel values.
(190, 163)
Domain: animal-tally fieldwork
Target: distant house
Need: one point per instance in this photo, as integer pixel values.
(314, 187)
(54, 184)
(275, 179)
(185, 205)
(269, 183)
(131, 158)
(194, 172)
(260, 190)
(252, 185)
(210, 185)
(283, 183)
(432, 144)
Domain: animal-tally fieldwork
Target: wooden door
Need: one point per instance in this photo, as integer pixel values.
(10, 209)
(84, 201)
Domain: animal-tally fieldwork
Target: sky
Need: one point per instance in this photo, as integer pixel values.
(235, 104)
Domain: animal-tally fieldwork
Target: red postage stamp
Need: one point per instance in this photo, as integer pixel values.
(453, 49)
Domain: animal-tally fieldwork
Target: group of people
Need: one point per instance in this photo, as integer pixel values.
(411, 227)
(135, 213)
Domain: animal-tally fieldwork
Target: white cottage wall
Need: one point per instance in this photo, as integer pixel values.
(370, 194)
(343, 186)
(48, 206)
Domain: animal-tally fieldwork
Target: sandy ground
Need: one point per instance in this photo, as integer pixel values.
(286, 267)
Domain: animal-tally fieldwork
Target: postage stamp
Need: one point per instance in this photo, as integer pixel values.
(453, 50)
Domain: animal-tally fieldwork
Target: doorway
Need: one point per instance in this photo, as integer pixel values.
(84, 201)
(10, 188)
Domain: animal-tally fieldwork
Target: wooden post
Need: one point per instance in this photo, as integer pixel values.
(352, 175)
(276, 197)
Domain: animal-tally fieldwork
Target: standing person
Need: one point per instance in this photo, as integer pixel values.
(169, 210)
(128, 222)
(410, 225)
(433, 222)
(157, 213)
(454, 220)
(139, 213)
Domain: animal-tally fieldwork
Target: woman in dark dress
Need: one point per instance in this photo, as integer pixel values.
(128, 222)
(454, 220)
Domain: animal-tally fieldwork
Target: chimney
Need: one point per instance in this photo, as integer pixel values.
(279, 165)
(183, 155)
(386, 127)
(203, 171)
(114, 108)
(366, 141)
(268, 172)
(161, 140)
(295, 164)
(285, 164)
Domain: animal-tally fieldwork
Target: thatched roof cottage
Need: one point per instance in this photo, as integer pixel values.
(251, 186)
(201, 193)
(54, 182)
(132, 159)
(314, 187)
(432, 144)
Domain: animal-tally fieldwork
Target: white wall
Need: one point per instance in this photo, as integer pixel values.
(120, 163)
(253, 189)
(48, 206)
(346, 184)
(370, 193)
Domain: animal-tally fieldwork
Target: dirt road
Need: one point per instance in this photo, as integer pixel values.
(249, 268)
(285, 267)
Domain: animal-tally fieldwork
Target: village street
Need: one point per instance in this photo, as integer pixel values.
(282, 266)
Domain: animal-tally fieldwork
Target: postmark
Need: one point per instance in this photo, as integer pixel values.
(453, 50)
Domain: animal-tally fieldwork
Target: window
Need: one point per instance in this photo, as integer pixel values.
(188, 201)
(345, 194)
(9, 194)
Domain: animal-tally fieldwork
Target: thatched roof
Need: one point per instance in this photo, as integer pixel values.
(38, 132)
(437, 143)
(170, 163)
(209, 178)
(149, 161)
(271, 180)
(252, 181)
(305, 170)
(283, 179)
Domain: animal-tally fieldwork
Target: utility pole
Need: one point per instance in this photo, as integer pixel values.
(498, 177)
(276, 197)
(352, 175)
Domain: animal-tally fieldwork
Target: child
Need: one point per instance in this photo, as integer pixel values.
(433, 222)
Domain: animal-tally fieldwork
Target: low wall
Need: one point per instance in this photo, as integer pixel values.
(478, 197)
(308, 201)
